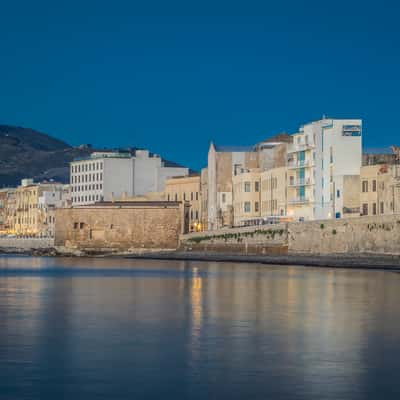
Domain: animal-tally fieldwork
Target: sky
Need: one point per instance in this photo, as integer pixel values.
(172, 76)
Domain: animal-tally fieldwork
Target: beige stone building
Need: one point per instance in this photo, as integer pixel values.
(246, 196)
(3, 210)
(10, 211)
(380, 189)
(274, 192)
(35, 205)
(187, 189)
(225, 162)
(204, 198)
(122, 226)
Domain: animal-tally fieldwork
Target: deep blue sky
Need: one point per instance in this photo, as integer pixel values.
(171, 76)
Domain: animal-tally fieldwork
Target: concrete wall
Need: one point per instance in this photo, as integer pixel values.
(26, 244)
(119, 228)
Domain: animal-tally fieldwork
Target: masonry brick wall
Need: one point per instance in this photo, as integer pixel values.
(121, 229)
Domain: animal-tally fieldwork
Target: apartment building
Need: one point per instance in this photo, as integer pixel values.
(380, 189)
(246, 196)
(274, 188)
(3, 209)
(106, 176)
(204, 198)
(187, 189)
(324, 155)
(34, 207)
(225, 162)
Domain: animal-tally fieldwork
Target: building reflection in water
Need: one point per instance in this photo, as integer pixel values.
(241, 329)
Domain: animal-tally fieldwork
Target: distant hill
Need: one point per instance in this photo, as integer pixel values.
(26, 153)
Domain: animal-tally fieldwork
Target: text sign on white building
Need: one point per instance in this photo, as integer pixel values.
(351, 130)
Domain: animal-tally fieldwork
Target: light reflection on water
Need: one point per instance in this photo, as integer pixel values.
(115, 329)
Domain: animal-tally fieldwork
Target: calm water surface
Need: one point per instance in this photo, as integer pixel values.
(124, 329)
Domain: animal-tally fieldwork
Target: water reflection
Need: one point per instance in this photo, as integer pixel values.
(146, 329)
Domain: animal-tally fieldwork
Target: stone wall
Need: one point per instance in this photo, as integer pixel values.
(362, 235)
(377, 235)
(264, 239)
(26, 243)
(120, 228)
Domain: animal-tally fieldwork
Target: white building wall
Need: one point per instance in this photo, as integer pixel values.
(117, 178)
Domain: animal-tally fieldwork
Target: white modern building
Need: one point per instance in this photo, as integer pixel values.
(323, 155)
(113, 175)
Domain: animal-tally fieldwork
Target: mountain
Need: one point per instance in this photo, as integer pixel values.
(26, 153)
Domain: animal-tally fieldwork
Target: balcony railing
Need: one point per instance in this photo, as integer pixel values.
(301, 182)
(299, 200)
(294, 148)
(299, 164)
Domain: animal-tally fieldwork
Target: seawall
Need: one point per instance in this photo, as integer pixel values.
(365, 235)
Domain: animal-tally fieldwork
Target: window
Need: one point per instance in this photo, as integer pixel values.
(365, 209)
(247, 206)
(223, 197)
(256, 206)
(76, 225)
(247, 187)
(81, 225)
(176, 196)
(197, 195)
(338, 194)
(257, 186)
(184, 196)
(382, 207)
(374, 208)
(364, 186)
(191, 196)
(374, 185)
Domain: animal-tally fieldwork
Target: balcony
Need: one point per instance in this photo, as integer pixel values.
(299, 200)
(295, 148)
(301, 182)
(299, 164)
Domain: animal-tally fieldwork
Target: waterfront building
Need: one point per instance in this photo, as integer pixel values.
(186, 189)
(3, 210)
(113, 175)
(204, 198)
(380, 189)
(323, 154)
(122, 226)
(274, 188)
(34, 207)
(53, 197)
(225, 162)
(10, 204)
(246, 196)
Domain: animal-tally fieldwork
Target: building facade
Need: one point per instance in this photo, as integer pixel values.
(106, 176)
(379, 189)
(323, 153)
(187, 189)
(121, 226)
(246, 196)
(274, 188)
(34, 207)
